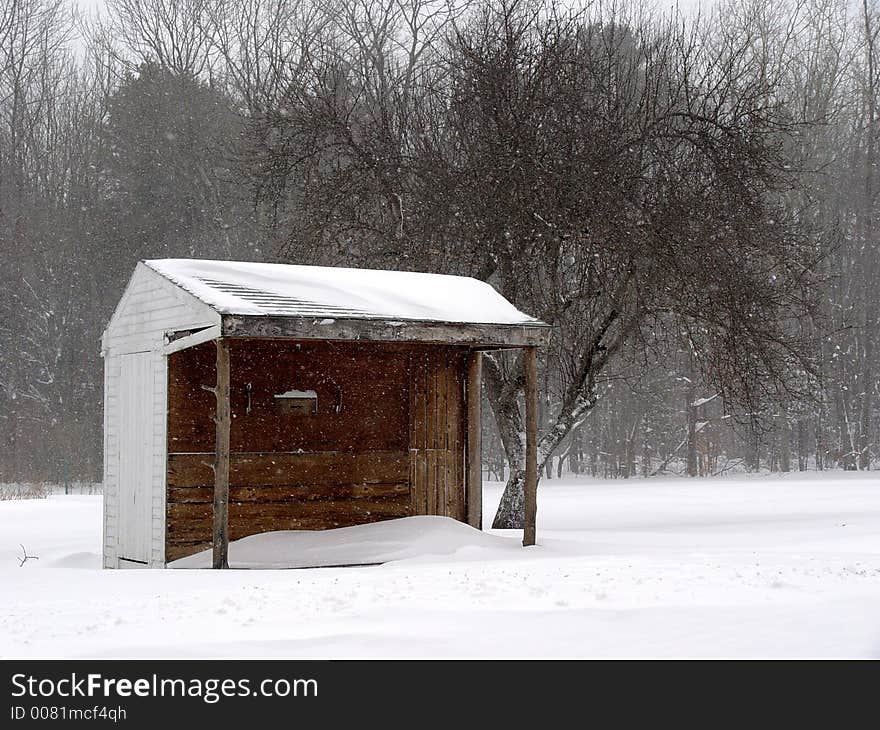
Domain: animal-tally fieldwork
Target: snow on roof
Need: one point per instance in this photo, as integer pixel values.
(235, 287)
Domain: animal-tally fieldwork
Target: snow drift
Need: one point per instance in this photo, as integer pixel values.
(378, 542)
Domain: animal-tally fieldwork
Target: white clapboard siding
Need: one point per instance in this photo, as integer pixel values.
(150, 308)
(159, 470)
(111, 459)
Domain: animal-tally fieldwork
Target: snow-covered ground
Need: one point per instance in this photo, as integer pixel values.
(759, 567)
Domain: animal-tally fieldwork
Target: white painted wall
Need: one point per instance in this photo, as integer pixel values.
(134, 490)
(149, 309)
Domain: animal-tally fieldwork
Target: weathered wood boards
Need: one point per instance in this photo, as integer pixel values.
(396, 432)
(285, 468)
(347, 464)
(437, 432)
(344, 328)
(361, 392)
(190, 522)
(284, 491)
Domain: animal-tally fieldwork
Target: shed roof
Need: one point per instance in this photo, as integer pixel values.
(237, 287)
(317, 302)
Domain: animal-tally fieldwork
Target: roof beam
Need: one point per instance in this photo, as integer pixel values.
(385, 330)
(196, 338)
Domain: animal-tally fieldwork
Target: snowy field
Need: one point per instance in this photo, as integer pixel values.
(730, 567)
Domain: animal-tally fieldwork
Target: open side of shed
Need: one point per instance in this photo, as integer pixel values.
(284, 411)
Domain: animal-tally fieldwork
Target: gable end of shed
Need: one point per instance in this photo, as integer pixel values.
(150, 307)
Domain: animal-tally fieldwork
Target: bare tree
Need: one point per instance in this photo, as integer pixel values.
(621, 180)
(170, 33)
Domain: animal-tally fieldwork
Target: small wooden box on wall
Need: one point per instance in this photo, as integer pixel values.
(300, 402)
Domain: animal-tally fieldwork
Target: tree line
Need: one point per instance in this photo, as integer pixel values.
(689, 200)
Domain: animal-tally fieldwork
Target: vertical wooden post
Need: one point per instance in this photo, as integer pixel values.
(474, 478)
(221, 458)
(530, 488)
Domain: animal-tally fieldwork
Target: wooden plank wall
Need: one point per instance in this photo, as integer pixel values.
(347, 464)
(437, 432)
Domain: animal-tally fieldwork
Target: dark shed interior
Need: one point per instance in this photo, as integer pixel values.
(323, 434)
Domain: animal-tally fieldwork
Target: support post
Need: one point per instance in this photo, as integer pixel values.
(474, 482)
(221, 459)
(530, 488)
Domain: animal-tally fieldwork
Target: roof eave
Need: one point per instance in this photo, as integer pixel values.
(533, 334)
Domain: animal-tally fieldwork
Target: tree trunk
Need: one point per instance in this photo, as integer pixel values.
(510, 509)
(802, 445)
(867, 412)
(869, 246)
(579, 399)
(691, 430)
(784, 443)
(511, 428)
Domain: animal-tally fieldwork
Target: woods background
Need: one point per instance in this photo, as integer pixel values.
(690, 200)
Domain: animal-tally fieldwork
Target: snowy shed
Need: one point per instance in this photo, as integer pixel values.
(243, 398)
